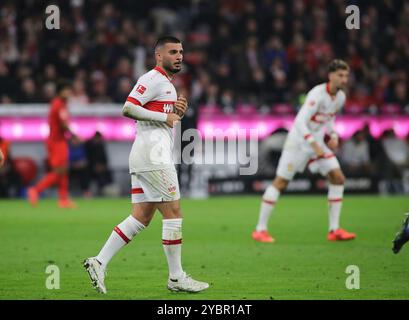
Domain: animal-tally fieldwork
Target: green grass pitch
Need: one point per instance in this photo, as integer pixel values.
(217, 248)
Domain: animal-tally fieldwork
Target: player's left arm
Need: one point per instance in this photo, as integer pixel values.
(333, 141)
(333, 136)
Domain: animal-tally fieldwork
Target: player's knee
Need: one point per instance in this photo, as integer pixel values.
(176, 212)
(172, 212)
(280, 184)
(144, 219)
(337, 177)
(143, 215)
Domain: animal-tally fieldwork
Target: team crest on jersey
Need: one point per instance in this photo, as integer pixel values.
(172, 190)
(141, 89)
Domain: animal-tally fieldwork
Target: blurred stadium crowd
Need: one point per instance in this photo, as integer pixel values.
(261, 52)
(263, 55)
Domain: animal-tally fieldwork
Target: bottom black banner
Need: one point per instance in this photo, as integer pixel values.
(195, 309)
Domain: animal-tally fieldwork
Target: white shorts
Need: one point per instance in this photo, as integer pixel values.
(292, 162)
(155, 186)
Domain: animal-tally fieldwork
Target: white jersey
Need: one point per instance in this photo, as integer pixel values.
(153, 145)
(318, 111)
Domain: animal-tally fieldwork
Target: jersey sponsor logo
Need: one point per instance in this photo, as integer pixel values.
(140, 89)
(167, 108)
(160, 106)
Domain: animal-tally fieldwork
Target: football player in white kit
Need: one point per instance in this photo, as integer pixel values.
(153, 102)
(305, 146)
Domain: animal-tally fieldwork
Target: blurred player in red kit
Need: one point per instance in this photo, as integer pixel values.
(57, 150)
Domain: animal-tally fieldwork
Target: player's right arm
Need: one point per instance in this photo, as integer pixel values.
(137, 112)
(1, 159)
(307, 111)
(140, 95)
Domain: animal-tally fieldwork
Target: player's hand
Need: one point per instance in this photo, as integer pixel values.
(317, 149)
(1, 159)
(181, 105)
(172, 119)
(333, 143)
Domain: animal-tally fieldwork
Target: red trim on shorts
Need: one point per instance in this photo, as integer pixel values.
(134, 101)
(314, 118)
(137, 191)
(326, 156)
(269, 202)
(121, 234)
(171, 242)
(335, 200)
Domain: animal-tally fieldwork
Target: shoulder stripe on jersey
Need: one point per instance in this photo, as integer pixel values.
(134, 101)
(159, 106)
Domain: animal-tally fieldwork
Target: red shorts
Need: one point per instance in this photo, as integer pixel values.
(57, 153)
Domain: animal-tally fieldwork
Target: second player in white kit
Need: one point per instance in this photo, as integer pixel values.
(154, 104)
(317, 112)
(305, 146)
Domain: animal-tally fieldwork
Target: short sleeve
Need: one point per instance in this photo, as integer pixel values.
(143, 92)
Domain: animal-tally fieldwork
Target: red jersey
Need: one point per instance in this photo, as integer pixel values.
(57, 116)
(4, 147)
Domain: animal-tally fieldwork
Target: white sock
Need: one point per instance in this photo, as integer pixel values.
(269, 200)
(335, 195)
(122, 234)
(172, 245)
